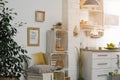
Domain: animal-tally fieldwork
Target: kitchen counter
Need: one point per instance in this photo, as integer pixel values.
(98, 63)
(104, 50)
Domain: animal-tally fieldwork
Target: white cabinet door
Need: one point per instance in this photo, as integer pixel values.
(100, 74)
(114, 63)
(97, 65)
(101, 63)
(100, 55)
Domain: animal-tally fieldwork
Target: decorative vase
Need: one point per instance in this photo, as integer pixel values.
(75, 31)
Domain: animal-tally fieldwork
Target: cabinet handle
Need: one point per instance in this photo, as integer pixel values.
(118, 65)
(102, 63)
(102, 75)
(103, 55)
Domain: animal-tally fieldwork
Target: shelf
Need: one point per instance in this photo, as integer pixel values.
(96, 11)
(57, 48)
(94, 20)
(59, 52)
(90, 27)
(57, 41)
(62, 70)
(93, 10)
(59, 59)
(59, 29)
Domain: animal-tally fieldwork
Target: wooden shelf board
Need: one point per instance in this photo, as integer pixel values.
(90, 27)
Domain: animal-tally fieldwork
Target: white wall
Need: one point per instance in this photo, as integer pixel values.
(53, 13)
(26, 13)
(110, 32)
(73, 42)
(110, 35)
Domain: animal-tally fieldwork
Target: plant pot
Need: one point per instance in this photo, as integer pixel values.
(57, 27)
(3, 78)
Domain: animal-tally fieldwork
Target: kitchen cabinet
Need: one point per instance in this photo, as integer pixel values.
(97, 64)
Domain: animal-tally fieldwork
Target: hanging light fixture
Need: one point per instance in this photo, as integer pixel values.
(91, 3)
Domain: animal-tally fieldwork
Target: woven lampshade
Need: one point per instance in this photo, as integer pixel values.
(91, 3)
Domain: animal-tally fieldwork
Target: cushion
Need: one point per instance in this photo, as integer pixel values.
(41, 69)
(38, 58)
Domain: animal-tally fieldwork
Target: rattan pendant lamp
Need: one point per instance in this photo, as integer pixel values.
(91, 3)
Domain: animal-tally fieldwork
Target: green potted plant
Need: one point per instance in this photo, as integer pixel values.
(80, 63)
(12, 56)
(58, 25)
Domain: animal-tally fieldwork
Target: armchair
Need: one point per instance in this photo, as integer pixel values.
(40, 69)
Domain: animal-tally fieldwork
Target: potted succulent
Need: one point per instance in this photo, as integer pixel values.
(12, 56)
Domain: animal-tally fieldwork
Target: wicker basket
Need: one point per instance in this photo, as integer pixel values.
(2, 78)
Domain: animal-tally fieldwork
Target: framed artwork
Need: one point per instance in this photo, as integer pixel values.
(33, 36)
(39, 16)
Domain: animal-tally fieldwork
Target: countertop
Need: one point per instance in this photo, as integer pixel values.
(104, 50)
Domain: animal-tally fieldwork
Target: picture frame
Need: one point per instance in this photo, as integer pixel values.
(33, 36)
(39, 16)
